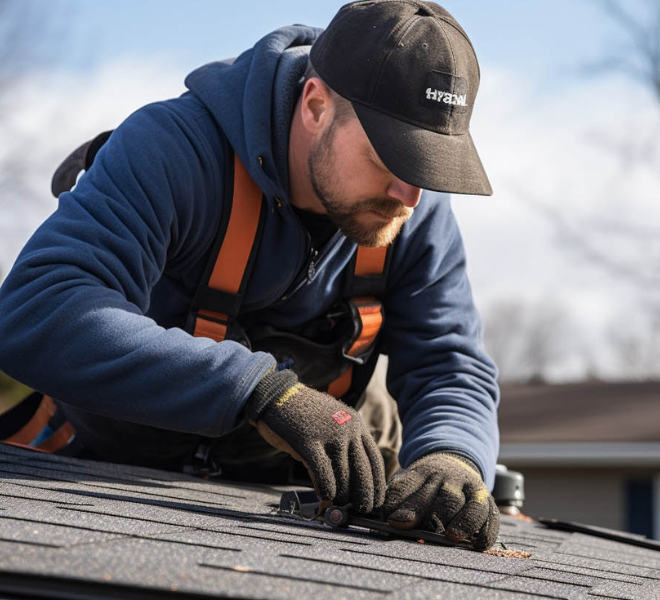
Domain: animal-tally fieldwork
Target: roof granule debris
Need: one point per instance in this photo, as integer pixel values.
(508, 553)
(142, 533)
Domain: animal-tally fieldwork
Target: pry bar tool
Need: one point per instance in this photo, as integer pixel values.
(306, 506)
(338, 516)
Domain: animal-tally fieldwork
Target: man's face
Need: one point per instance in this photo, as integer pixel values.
(362, 197)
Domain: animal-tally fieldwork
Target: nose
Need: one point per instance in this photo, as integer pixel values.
(407, 194)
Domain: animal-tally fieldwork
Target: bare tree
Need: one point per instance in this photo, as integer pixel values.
(629, 252)
(613, 235)
(29, 40)
(503, 335)
(16, 56)
(637, 51)
(33, 41)
(526, 340)
(635, 344)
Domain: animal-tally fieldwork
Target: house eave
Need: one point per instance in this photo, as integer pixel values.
(580, 454)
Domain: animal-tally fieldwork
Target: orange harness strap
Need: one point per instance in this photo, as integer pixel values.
(370, 262)
(35, 425)
(232, 260)
(59, 439)
(342, 384)
(227, 277)
(34, 428)
(371, 317)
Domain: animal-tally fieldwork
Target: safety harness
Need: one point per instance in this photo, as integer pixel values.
(38, 423)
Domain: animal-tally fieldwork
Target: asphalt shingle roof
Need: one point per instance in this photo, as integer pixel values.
(71, 528)
(595, 411)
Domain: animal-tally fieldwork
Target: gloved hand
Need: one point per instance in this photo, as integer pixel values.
(443, 493)
(326, 435)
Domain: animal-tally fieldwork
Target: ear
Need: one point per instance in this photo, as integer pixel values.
(315, 106)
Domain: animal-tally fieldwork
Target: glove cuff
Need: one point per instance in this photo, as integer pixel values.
(272, 387)
(466, 461)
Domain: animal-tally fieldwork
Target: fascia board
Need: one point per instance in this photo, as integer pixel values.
(580, 454)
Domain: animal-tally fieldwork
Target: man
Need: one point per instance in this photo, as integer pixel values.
(94, 310)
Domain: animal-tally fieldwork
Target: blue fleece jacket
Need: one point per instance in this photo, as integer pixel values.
(92, 311)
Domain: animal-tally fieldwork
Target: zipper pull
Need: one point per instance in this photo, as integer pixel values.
(311, 269)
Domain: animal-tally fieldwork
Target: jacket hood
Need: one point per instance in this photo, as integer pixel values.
(247, 118)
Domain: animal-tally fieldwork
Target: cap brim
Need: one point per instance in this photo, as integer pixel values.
(423, 158)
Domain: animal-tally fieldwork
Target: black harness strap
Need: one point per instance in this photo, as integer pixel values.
(79, 160)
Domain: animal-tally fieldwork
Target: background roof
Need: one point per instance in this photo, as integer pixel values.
(584, 412)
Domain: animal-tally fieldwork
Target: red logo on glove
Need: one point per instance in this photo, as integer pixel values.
(341, 417)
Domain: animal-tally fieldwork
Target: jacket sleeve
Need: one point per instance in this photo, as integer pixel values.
(72, 310)
(444, 383)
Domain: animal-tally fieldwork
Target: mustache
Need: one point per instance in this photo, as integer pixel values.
(383, 206)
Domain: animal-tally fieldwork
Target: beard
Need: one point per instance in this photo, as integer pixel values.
(349, 216)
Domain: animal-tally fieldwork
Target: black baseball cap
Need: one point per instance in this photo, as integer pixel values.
(412, 76)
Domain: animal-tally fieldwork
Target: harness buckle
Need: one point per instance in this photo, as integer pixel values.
(368, 315)
(203, 463)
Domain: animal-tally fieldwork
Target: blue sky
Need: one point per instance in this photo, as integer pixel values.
(544, 38)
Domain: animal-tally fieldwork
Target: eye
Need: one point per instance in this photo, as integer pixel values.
(373, 158)
(379, 163)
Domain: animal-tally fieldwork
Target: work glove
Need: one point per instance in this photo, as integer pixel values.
(443, 493)
(326, 435)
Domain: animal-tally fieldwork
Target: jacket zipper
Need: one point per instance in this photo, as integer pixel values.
(303, 274)
(308, 270)
(320, 258)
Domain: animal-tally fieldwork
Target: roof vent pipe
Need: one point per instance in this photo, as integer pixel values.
(509, 490)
